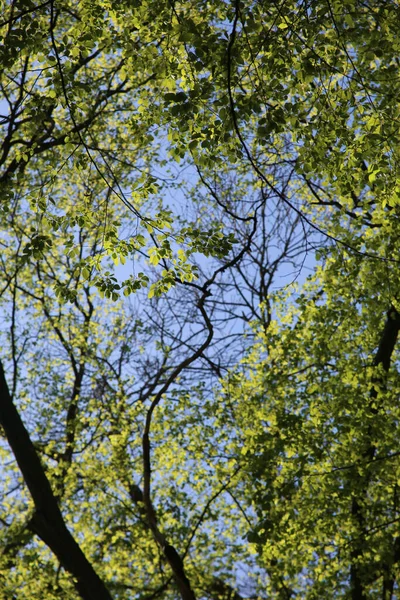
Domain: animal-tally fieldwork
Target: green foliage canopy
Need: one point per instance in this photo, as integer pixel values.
(176, 420)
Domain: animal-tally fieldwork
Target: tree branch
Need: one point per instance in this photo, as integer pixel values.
(47, 521)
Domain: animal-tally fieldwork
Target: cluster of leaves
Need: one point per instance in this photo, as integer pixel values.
(317, 423)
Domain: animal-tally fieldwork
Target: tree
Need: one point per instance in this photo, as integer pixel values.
(209, 148)
(322, 457)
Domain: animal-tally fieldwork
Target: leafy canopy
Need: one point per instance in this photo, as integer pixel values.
(178, 423)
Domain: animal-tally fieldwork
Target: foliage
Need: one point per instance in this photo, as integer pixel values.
(318, 425)
(182, 418)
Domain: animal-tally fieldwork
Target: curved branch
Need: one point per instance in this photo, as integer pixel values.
(47, 521)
